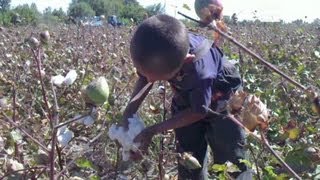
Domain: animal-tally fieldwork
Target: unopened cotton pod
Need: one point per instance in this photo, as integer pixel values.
(97, 92)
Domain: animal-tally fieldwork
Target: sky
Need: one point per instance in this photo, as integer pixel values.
(267, 10)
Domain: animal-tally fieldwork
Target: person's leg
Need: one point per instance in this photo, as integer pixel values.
(192, 139)
(227, 141)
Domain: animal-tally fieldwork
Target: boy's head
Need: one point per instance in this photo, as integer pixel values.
(159, 47)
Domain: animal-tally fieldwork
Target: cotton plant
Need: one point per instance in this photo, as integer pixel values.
(126, 137)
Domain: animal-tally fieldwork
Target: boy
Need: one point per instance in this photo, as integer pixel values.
(162, 49)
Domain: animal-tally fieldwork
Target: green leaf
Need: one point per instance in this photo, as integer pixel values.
(219, 168)
(298, 160)
(246, 162)
(282, 177)
(301, 68)
(222, 176)
(312, 129)
(232, 168)
(84, 163)
(269, 171)
(95, 177)
(185, 6)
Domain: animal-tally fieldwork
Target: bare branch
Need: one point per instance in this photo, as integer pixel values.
(24, 132)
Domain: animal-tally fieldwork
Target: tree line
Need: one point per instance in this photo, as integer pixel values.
(126, 10)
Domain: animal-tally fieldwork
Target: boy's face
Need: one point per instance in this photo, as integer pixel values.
(152, 77)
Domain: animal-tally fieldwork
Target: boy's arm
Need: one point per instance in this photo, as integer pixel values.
(181, 119)
(133, 107)
(199, 97)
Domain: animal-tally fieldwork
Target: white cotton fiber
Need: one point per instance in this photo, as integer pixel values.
(70, 77)
(125, 138)
(64, 135)
(57, 80)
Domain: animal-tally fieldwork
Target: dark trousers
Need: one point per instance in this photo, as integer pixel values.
(225, 138)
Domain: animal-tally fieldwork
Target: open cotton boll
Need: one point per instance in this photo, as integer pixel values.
(57, 80)
(125, 138)
(88, 120)
(64, 135)
(26, 65)
(136, 125)
(70, 77)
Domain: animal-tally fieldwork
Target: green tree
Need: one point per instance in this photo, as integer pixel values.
(124, 9)
(28, 14)
(80, 10)
(105, 7)
(155, 9)
(53, 16)
(134, 11)
(59, 13)
(4, 5)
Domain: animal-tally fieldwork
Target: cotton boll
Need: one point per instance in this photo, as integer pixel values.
(70, 77)
(161, 90)
(64, 135)
(42, 72)
(61, 130)
(125, 138)
(135, 126)
(125, 155)
(26, 66)
(112, 132)
(3, 102)
(57, 80)
(88, 120)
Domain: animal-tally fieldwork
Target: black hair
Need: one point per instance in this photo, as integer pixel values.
(160, 44)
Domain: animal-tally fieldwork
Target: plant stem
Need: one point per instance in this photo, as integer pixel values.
(69, 121)
(26, 169)
(24, 132)
(266, 143)
(263, 140)
(79, 155)
(38, 61)
(14, 106)
(160, 166)
(55, 121)
(255, 161)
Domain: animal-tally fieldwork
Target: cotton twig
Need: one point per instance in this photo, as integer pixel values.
(79, 155)
(24, 132)
(266, 143)
(160, 165)
(70, 121)
(55, 121)
(26, 169)
(45, 99)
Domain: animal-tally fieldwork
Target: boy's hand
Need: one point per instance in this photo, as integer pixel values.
(124, 123)
(144, 138)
